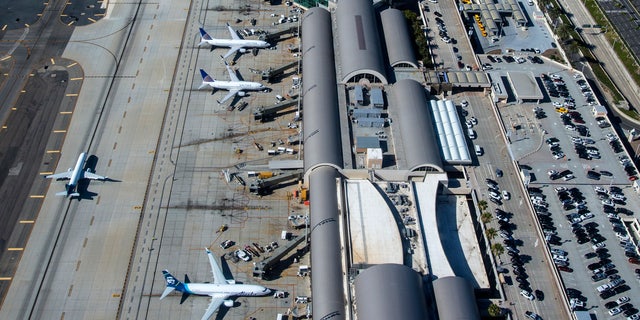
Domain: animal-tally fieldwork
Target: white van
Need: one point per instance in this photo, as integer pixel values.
(479, 150)
(471, 133)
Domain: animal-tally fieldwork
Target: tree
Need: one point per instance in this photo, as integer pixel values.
(482, 204)
(494, 310)
(563, 31)
(491, 233)
(486, 217)
(497, 249)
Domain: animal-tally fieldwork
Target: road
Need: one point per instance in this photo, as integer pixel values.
(603, 51)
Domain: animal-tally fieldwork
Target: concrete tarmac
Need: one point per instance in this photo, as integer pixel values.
(139, 117)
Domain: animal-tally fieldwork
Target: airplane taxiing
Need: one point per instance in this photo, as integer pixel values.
(74, 175)
(220, 290)
(235, 43)
(235, 86)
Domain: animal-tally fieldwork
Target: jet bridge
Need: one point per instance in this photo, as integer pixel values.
(260, 186)
(276, 36)
(270, 74)
(264, 113)
(260, 269)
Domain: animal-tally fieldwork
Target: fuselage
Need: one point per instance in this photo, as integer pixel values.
(238, 85)
(243, 290)
(235, 43)
(77, 173)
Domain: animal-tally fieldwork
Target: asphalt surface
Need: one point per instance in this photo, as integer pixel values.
(602, 50)
(31, 100)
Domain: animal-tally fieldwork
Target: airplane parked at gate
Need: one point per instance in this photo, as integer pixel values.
(235, 86)
(74, 175)
(220, 290)
(235, 43)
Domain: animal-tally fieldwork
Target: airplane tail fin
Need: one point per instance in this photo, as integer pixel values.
(204, 37)
(68, 192)
(175, 284)
(205, 78)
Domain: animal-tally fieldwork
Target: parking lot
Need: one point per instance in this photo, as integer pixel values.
(580, 187)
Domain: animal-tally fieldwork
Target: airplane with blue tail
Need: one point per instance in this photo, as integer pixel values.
(220, 291)
(236, 43)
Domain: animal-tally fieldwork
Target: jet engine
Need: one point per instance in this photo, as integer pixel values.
(228, 303)
(242, 50)
(242, 93)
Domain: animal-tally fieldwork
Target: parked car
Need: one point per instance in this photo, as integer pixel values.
(243, 255)
(528, 295)
(532, 315)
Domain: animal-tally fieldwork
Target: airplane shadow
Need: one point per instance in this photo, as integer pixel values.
(83, 184)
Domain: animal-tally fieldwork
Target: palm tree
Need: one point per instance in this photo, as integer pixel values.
(497, 249)
(491, 233)
(563, 31)
(494, 310)
(482, 204)
(486, 217)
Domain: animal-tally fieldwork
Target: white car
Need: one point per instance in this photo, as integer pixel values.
(607, 202)
(505, 235)
(622, 300)
(568, 177)
(243, 255)
(586, 216)
(506, 195)
(528, 295)
(552, 172)
(575, 302)
(599, 189)
(560, 258)
(617, 196)
(464, 103)
(615, 311)
(598, 245)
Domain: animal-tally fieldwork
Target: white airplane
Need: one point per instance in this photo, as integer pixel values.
(235, 86)
(220, 290)
(235, 43)
(74, 175)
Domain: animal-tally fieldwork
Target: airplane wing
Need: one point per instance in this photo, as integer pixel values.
(60, 176)
(218, 276)
(231, 51)
(93, 176)
(216, 301)
(231, 93)
(234, 34)
(232, 74)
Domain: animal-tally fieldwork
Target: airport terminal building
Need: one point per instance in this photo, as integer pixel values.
(378, 171)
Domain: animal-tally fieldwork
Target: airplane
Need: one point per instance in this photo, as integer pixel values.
(74, 175)
(220, 290)
(235, 43)
(235, 86)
